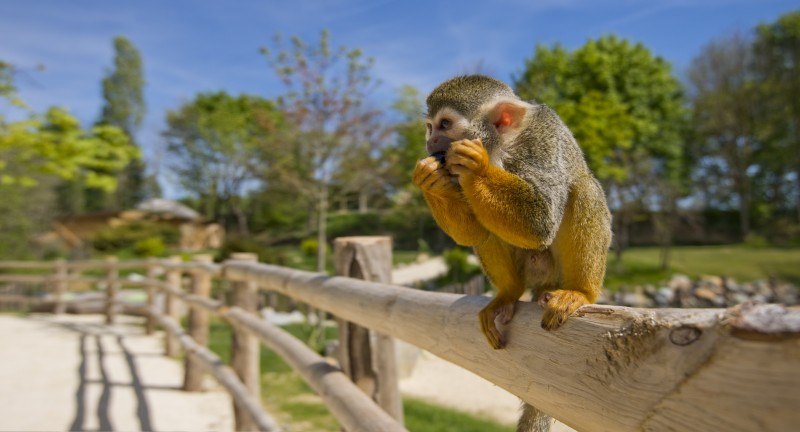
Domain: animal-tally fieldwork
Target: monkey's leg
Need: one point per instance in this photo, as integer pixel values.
(580, 248)
(505, 272)
(456, 219)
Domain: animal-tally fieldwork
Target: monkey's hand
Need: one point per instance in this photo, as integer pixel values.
(559, 305)
(433, 179)
(447, 204)
(466, 159)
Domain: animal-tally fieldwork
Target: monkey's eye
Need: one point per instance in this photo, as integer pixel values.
(445, 124)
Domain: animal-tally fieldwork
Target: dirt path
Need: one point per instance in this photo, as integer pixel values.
(72, 373)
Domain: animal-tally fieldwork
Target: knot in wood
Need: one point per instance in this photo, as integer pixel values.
(684, 335)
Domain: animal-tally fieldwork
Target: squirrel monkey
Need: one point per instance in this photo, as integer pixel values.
(507, 178)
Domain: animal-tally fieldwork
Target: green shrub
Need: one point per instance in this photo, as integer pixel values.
(265, 254)
(126, 236)
(458, 267)
(150, 247)
(755, 241)
(309, 246)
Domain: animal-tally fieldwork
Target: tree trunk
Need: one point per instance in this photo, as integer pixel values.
(241, 220)
(363, 201)
(744, 204)
(322, 227)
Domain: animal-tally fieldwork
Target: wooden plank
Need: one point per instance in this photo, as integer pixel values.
(60, 286)
(608, 368)
(245, 349)
(43, 265)
(223, 374)
(152, 275)
(366, 356)
(173, 280)
(356, 411)
(198, 328)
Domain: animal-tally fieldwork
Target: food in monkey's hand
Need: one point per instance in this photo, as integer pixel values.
(439, 156)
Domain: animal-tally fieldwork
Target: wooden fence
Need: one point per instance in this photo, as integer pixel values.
(607, 369)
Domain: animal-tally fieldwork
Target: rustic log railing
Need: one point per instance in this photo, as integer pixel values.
(607, 369)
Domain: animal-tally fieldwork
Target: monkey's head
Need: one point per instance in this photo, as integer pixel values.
(471, 107)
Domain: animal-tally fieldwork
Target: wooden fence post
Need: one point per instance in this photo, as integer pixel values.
(366, 356)
(60, 286)
(245, 347)
(152, 274)
(111, 288)
(173, 278)
(198, 325)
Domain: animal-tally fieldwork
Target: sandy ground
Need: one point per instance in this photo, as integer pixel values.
(444, 383)
(70, 372)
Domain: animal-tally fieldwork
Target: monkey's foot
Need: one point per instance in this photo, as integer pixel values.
(559, 305)
(487, 316)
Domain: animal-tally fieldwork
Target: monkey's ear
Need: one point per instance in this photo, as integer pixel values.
(507, 115)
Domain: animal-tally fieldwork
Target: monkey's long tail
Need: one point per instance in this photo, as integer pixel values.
(533, 420)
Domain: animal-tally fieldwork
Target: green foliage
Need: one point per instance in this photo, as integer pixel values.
(424, 416)
(623, 105)
(123, 89)
(333, 131)
(266, 254)
(406, 226)
(150, 247)
(401, 158)
(127, 235)
(458, 267)
(219, 144)
(755, 241)
(309, 247)
(641, 265)
(56, 145)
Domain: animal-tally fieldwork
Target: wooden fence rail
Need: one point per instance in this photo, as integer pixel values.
(607, 369)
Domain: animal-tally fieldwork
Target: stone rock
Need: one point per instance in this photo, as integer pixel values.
(680, 282)
(705, 293)
(711, 281)
(664, 297)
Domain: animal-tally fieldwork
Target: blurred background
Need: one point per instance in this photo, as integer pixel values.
(157, 128)
(161, 128)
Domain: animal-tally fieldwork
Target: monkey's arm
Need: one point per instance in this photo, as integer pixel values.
(447, 204)
(503, 202)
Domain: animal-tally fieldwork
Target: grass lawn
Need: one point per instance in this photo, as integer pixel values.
(287, 397)
(745, 264)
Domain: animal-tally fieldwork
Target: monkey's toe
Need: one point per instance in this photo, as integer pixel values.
(489, 329)
(559, 306)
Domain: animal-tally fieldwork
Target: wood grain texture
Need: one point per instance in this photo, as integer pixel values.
(607, 369)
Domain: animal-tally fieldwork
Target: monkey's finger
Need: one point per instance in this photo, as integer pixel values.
(423, 170)
(489, 330)
(464, 161)
(437, 180)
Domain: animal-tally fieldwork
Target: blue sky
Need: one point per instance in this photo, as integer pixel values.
(193, 46)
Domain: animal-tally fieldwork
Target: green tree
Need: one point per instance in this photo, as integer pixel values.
(326, 90)
(626, 110)
(217, 148)
(409, 147)
(727, 100)
(37, 151)
(777, 64)
(125, 108)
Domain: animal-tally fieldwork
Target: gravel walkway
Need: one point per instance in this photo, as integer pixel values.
(71, 373)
